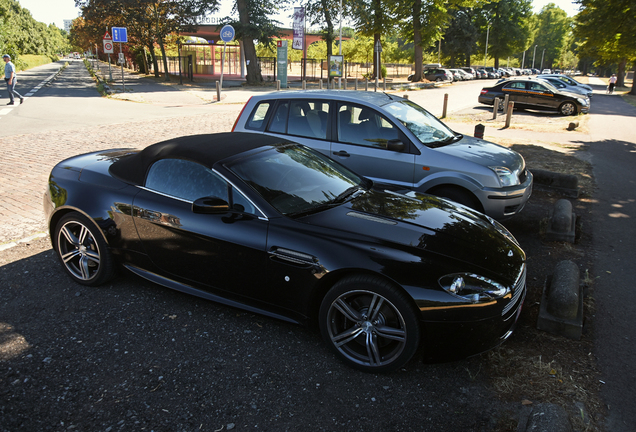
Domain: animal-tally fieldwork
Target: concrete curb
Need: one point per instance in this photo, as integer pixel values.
(566, 184)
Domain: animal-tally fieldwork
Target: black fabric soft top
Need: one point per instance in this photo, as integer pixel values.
(206, 149)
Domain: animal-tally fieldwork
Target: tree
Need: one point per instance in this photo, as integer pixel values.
(460, 36)
(509, 22)
(255, 24)
(608, 26)
(553, 29)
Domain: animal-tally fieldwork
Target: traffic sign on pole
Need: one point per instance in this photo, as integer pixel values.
(108, 44)
(227, 33)
(120, 34)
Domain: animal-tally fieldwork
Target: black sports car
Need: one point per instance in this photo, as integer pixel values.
(534, 93)
(271, 226)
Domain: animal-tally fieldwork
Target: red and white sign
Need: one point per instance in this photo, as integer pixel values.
(108, 44)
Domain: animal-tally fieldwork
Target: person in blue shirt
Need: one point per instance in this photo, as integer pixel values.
(11, 78)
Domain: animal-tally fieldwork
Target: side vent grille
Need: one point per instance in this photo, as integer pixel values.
(292, 256)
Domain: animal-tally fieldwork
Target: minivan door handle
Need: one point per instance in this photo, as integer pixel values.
(342, 153)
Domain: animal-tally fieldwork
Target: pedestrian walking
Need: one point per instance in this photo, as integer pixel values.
(11, 78)
(612, 83)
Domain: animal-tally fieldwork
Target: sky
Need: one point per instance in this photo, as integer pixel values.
(56, 11)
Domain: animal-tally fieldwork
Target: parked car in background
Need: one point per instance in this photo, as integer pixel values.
(533, 93)
(471, 71)
(390, 139)
(562, 85)
(546, 71)
(438, 74)
(466, 76)
(272, 227)
(569, 81)
(456, 75)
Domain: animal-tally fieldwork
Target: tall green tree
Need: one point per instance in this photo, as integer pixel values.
(609, 26)
(460, 37)
(553, 29)
(506, 25)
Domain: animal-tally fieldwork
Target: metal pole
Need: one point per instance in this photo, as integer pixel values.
(340, 43)
(122, 71)
(535, 53)
(486, 52)
(542, 61)
(523, 62)
(223, 63)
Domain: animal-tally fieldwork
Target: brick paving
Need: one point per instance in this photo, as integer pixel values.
(26, 160)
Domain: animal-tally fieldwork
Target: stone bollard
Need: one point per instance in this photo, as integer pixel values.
(356, 84)
(320, 84)
(277, 85)
(479, 131)
(562, 222)
(405, 96)
(304, 84)
(561, 310)
(510, 107)
(218, 92)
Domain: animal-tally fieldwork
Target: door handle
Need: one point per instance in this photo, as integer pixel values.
(341, 153)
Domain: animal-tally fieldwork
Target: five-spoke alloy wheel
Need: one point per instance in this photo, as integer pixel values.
(568, 108)
(82, 250)
(370, 324)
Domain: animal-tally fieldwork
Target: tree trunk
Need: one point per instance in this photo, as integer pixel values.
(254, 75)
(146, 69)
(417, 41)
(165, 59)
(153, 56)
(633, 90)
(620, 82)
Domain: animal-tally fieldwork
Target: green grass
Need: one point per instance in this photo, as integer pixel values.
(28, 61)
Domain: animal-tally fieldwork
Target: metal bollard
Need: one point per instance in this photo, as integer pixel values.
(495, 108)
(304, 84)
(510, 106)
(445, 105)
(479, 131)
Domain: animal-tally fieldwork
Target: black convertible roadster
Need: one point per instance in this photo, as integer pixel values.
(273, 227)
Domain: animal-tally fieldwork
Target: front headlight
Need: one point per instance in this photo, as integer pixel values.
(507, 177)
(582, 101)
(472, 287)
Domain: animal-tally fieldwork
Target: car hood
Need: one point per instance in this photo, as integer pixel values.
(425, 224)
(484, 153)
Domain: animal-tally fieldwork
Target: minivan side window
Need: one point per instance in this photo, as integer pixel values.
(364, 126)
(307, 118)
(256, 119)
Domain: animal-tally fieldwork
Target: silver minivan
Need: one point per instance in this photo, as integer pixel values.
(390, 139)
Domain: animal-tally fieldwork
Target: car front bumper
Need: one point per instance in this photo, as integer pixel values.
(506, 202)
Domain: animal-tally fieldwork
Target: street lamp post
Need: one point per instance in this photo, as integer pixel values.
(523, 62)
(486, 52)
(535, 52)
(542, 60)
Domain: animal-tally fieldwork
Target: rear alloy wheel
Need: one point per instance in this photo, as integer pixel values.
(82, 250)
(369, 324)
(438, 79)
(567, 109)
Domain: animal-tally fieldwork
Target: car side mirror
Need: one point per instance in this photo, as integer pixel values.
(210, 205)
(395, 145)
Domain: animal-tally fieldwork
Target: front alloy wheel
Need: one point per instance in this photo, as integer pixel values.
(568, 108)
(82, 251)
(370, 324)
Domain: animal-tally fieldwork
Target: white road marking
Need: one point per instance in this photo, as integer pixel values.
(4, 111)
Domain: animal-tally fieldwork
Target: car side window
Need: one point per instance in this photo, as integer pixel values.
(258, 115)
(538, 87)
(185, 179)
(517, 85)
(364, 126)
(190, 181)
(278, 123)
(308, 119)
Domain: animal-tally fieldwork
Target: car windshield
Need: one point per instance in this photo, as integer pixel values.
(425, 126)
(296, 181)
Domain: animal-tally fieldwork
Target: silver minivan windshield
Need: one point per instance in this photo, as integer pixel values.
(426, 127)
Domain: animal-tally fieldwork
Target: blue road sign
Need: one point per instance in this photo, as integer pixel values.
(227, 33)
(120, 34)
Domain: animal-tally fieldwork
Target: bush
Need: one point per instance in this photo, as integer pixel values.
(28, 61)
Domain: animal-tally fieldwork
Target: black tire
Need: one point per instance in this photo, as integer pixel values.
(438, 79)
(568, 108)
(458, 195)
(369, 324)
(82, 250)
